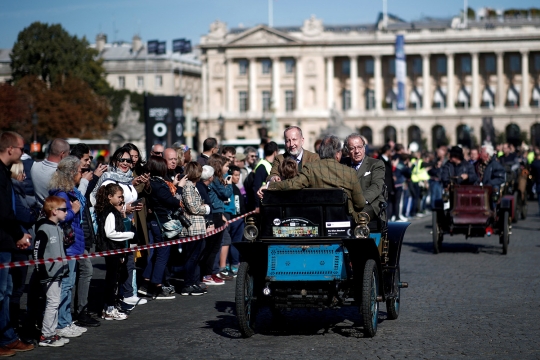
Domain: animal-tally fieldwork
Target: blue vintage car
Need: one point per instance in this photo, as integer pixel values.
(305, 251)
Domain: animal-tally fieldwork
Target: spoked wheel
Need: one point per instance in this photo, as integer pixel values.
(517, 208)
(392, 305)
(370, 291)
(505, 233)
(246, 307)
(437, 233)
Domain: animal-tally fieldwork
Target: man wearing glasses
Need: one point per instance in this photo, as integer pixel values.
(43, 171)
(370, 173)
(11, 238)
(157, 150)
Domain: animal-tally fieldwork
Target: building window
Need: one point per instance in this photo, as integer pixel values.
(121, 82)
(369, 67)
(417, 66)
(370, 99)
(140, 81)
(515, 63)
(266, 66)
(266, 98)
(242, 67)
(159, 81)
(466, 65)
(490, 64)
(289, 66)
(536, 62)
(289, 100)
(392, 66)
(346, 68)
(441, 65)
(243, 101)
(346, 100)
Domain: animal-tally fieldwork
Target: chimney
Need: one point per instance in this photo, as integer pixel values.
(136, 45)
(101, 40)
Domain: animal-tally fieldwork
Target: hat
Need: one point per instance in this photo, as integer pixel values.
(456, 152)
(240, 156)
(207, 172)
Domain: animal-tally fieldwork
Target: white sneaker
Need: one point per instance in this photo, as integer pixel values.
(80, 329)
(68, 332)
(113, 314)
(135, 300)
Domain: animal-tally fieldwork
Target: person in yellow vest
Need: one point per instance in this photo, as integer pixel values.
(419, 179)
(263, 168)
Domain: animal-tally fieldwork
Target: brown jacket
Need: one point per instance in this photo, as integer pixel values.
(307, 157)
(326, 173)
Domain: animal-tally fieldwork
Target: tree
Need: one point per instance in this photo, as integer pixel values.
(12, 106)
(52, 54)
(67, 109)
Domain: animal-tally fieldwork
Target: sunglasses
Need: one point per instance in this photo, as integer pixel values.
(121, 160)
(158, 153)
(18, 147)
(62, 209)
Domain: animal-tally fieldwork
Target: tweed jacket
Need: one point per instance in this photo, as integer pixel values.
(194, 210)
(326, 173)
(307, 157)
(371, 176)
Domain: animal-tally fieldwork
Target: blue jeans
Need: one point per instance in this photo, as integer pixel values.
(64, 311)
(237, 234)
(6, 287)
(158, 258)
(435, 191)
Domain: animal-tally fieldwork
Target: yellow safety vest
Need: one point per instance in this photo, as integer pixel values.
(266, 164)
(418, 174)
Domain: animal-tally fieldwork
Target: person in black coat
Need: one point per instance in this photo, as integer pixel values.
(457, 169)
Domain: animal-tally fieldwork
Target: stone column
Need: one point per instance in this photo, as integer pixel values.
(377, 74)
(354, 82)
(204, 76)
(330, 82)
(299, 84)
(426, 102)
(229, 86)
(475, 96)
(450, 91)
(275, 83)
(501, 96)
(252, 85)
(524, 96)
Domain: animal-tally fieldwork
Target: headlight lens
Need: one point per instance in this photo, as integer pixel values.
(251, 232)
(361, 232)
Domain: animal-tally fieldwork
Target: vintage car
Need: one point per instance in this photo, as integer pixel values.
(305, 251)
(473, 211)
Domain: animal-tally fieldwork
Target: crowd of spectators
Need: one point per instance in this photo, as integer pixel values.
(69, 205)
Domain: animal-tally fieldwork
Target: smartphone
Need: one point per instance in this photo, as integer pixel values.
(228, 178)
(137, 202)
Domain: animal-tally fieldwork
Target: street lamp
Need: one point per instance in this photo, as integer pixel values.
(35, 147)
(221, 123)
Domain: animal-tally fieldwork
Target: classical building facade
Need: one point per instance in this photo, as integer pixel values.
(464, 83)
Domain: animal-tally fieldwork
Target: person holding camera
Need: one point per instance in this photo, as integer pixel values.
(163, 204)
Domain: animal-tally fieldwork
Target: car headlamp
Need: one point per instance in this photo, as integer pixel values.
(361, 232)
(251, 232)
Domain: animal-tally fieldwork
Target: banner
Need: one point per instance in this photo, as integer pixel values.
(401, 71)
(164, 118)
(161, 48)
(152, 46)
(181, 46)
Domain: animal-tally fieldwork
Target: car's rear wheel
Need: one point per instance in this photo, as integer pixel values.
(246, 306)
(370, 291)
(392, 305)
(436, 232)
(505, 233)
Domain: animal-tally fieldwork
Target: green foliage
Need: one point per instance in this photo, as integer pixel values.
(471, 14)
(52, 54)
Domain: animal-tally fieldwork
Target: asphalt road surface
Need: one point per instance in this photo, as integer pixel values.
(469, 301)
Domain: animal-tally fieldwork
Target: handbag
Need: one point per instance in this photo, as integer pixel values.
(171, 228)
(69, 234)
(178, 214)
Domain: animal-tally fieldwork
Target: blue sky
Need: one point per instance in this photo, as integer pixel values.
(171, 19)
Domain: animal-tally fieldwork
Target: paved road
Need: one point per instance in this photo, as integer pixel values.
(467, 302)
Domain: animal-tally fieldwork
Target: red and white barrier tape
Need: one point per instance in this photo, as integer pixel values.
(122, 251)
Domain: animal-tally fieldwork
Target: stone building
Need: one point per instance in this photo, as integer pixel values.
(461, 79)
